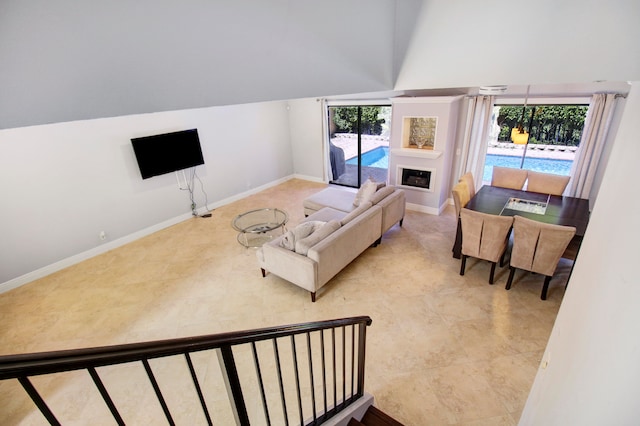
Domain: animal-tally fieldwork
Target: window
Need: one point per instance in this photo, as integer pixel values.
(554, 135)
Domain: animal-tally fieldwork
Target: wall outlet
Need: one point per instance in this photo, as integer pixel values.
(103, 235)
(546, 360)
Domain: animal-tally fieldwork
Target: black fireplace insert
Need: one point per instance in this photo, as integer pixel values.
(417, 178)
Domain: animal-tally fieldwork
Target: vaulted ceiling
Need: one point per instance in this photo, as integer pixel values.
(68, 60)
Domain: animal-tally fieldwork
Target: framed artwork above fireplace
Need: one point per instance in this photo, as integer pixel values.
(419, 132)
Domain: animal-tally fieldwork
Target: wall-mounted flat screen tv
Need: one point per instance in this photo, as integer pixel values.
(168, 152)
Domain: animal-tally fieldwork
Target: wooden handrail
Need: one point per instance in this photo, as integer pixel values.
(33, 364)
(24, 366)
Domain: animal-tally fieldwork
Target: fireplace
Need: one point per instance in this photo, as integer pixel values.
(415, 178)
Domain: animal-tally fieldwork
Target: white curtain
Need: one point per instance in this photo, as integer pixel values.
(596, 128)
(475, 143)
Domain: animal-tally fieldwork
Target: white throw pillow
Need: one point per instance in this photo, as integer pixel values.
(365, 192)
(381, 194)
(303, 245)
(301, 231)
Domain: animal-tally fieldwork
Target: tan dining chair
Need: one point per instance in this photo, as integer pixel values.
(546, 183)
(471, 185)
(506, 177)
(460, 193)
(537, 247)
(484, 236)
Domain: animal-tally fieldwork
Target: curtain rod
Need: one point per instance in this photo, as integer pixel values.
(575, 95)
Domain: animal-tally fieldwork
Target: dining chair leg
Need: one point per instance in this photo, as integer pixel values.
(463, 264)
(545, 288)
(493, 271)
(512, 271)
(504, 253)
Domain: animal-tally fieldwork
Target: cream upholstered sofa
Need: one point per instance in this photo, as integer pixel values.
(310, 261)
(390, 199)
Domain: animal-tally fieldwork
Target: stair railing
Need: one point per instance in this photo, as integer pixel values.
(331, 354)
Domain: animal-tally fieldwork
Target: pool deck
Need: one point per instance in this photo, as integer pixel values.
(554, 152)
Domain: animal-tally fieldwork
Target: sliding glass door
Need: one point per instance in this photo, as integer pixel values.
(358, 143)
(554, 135)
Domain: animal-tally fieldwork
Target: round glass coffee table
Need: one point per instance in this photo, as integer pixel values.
(256, 227)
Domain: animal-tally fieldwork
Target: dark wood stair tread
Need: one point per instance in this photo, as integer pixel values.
(375, 417)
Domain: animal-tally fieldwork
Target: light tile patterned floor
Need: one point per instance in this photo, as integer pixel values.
(442, 349)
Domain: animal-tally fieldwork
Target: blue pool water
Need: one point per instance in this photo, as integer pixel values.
(544, 165)
(378, 157)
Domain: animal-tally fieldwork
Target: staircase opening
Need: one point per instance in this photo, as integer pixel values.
(295, 374)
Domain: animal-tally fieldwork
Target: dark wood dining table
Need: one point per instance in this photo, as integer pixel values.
(560, 210)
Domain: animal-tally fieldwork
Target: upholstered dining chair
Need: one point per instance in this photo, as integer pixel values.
(506, 177)
(471, 185)
(484, 236)
(546, 183)
(537, 247)
(461, 197)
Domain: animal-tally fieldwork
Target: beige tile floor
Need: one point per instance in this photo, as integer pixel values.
(442, 349)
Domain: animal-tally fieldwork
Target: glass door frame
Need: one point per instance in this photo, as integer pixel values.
(327, 137)
(532, 104)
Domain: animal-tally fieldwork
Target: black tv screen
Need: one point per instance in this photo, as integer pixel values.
(168, 152)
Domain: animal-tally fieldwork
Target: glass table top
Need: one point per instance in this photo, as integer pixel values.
(529, 206)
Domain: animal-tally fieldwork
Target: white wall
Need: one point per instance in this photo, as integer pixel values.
(62, 184)
(307, 138)
(593, 372)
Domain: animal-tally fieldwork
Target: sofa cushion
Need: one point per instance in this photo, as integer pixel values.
(338, 198)
(365, 192)
(326, 214)
(303, 245)
(301, 231)
(355, 213)
(381, 194)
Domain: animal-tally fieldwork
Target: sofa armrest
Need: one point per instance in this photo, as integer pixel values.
(336, 251)
(289, 265)
(393, 209)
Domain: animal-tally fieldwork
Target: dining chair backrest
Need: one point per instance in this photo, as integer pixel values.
(506, 177)
(484, 235)
(537, 246)
(546, 183)
(471, 185)
(460, 193)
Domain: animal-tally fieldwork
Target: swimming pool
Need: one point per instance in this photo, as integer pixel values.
(544, 165)
(378, 157)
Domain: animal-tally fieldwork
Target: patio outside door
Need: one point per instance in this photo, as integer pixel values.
(359, 143)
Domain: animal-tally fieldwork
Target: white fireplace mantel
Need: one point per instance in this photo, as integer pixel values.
(416, 152)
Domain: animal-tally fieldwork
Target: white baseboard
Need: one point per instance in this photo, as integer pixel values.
(423, 209)
(309, 178)
(103, 248)
(88, 254)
